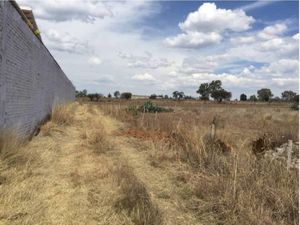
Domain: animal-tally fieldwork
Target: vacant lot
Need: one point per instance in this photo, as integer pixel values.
(116, 163)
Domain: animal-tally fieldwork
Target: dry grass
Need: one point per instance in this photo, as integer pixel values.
(54, 179)
(134, 198)
(63, 114)
(231, 188)
(60, 177)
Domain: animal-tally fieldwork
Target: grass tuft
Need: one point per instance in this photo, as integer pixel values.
(134, 198)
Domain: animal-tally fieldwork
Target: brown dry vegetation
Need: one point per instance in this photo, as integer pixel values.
(234, 188)
(67, 175)
(102, 164)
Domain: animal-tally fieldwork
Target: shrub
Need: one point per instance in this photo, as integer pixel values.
(152, 108)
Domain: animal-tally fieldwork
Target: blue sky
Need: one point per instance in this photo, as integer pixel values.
(158, 47)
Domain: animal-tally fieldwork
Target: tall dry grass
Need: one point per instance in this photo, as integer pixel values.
(134, 198)
(63, 114)
(234, 188)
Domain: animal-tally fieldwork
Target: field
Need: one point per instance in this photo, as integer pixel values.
(114, 162)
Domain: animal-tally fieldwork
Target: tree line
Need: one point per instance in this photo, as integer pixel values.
(207, 91)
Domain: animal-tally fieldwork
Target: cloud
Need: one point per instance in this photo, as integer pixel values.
(146, 61)
(201, 64)
(62, 41)
(243, 40)
(86, 11)
(194, 39)
(94, 60)
(205, 26)
(208, 18)
(272, 31)
(285, 68)
(255, 5)
(143, 77)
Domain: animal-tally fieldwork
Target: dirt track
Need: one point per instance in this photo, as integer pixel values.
(59, 178)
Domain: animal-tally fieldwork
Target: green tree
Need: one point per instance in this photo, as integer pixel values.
(264, 94)
(153, 96)
(215, 85)
(91, 96)
(117, 94)
(219, 95)
(178, 95)
(126, 95)
(243, 97)
(82, 93)
(109, 95)
(288, 96)
(204, 91)
(253, 98)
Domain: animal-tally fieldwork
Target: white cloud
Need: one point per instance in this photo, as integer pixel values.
(255, 5)
(63, 41)
(242, 40)
(143, 77)
(146, 61)
(272, 31)
(59, 11)
(94, 60)
(205, 26)
(194, 39)
(281, 68)
(208, 18)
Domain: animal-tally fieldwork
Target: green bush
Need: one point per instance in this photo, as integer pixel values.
(148, 107)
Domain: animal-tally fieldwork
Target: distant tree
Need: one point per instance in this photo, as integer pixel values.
(213, 89)
(117, 94)
(288, 96)
(109, 95)
(215, 85)
(153, 96)
(253, 98)
(82, 93)
(243, 97)
(178, 95)
(188, 97)
(295, 105)
(91, 96)
(97, 96)
(219, 95)
(166, 97)
(204, 91)
(264, 94)
(126, 95)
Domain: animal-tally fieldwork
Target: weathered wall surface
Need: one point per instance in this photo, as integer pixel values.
(31, 81)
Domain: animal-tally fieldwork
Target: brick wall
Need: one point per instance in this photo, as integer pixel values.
(31, 81)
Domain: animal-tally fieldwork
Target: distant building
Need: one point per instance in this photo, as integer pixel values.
(139, 97)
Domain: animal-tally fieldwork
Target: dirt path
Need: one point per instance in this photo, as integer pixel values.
(59, 178)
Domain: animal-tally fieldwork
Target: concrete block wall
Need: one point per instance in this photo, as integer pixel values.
(31, 81)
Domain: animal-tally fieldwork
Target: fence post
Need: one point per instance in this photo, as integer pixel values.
(213, 131)
(289, 154)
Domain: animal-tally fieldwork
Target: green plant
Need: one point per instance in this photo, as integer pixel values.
(152, 108)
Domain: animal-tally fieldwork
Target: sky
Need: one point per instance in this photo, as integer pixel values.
(147, 47)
